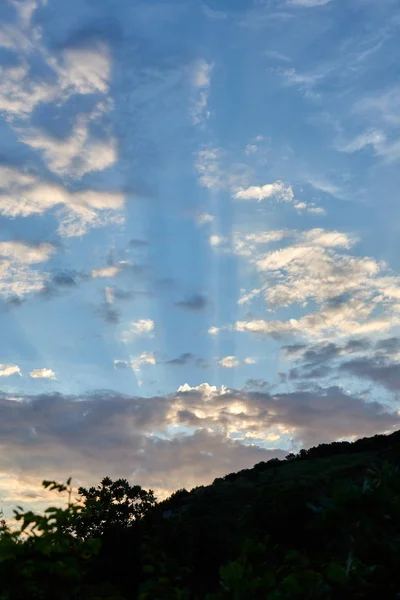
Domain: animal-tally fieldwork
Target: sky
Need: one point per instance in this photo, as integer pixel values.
(199, 225)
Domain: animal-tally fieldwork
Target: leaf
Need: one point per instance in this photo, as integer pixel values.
(336, 573)
(148, 569)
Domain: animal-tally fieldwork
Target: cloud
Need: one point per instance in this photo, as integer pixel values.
(204, 218)
(195, 302)
(23, 195)
(106, 433)
(136, 243)
(278, 190)
(181, 360)
(382, 106)
(121, 364)
(17, 277)
(250, 149)
(214, 330)
(138, 328)
(213, 14)
(84, 70)
(76, 154)
(377, 370)
(372, 137)
(247, 244)
(274, 54)
(87, 69)
(25, 253)
(250, 361)
(65, 278)
(353, 295)
(217, 172)
(201, 81)
(8, 370)
(146, 358)
(309, 3)
(42, 374)
(229, 362)
(217, 240)
(110, 271)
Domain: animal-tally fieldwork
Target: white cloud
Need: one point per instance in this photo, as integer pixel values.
(214, 330)
(229, 362)
(316, 210)
(372, 137)
(246, 244)
(138, 328)
(309, 3)
(213, 14)
(382, 106)
(250, 360)
(109, 295)
(110, 271)
(322, 184)
(279, 190)
(24, 195)
(217, 240)
(216, 173)
(24, 253)
(204, 389)
(204, 218)
(17, 278)
(146, 358)
(201, 81)
(86, 70)
(78, 71)
(7, 370)
(277, 55)
(350, 294)
(42, 374)
(250, 149)
(77, 154)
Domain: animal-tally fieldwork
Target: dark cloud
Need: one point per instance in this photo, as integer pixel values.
(105, 433)
(138, 243)
(293, 349)
(195, 302)
(313, 373)
(389, 346)
(357, 345)
(320, 354)
(183, 359)
(165, 283)
(259, 384)
(65, 278)
(108, 313)
(60, 280)
(201, 363)
(378, 370)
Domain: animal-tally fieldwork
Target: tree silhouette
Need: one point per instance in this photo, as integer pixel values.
(111, 505)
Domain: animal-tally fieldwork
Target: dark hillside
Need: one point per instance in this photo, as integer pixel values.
(324, 524)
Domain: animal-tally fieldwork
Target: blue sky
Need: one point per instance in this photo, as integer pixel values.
(199, 226)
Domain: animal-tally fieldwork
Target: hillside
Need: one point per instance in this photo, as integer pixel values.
(322, 524)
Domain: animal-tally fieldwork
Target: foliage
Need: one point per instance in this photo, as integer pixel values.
(112, 504)
(321, 525)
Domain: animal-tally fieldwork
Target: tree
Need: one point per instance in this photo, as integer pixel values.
(111, 505)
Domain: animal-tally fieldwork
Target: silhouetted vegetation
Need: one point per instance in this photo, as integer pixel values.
(322, 524)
